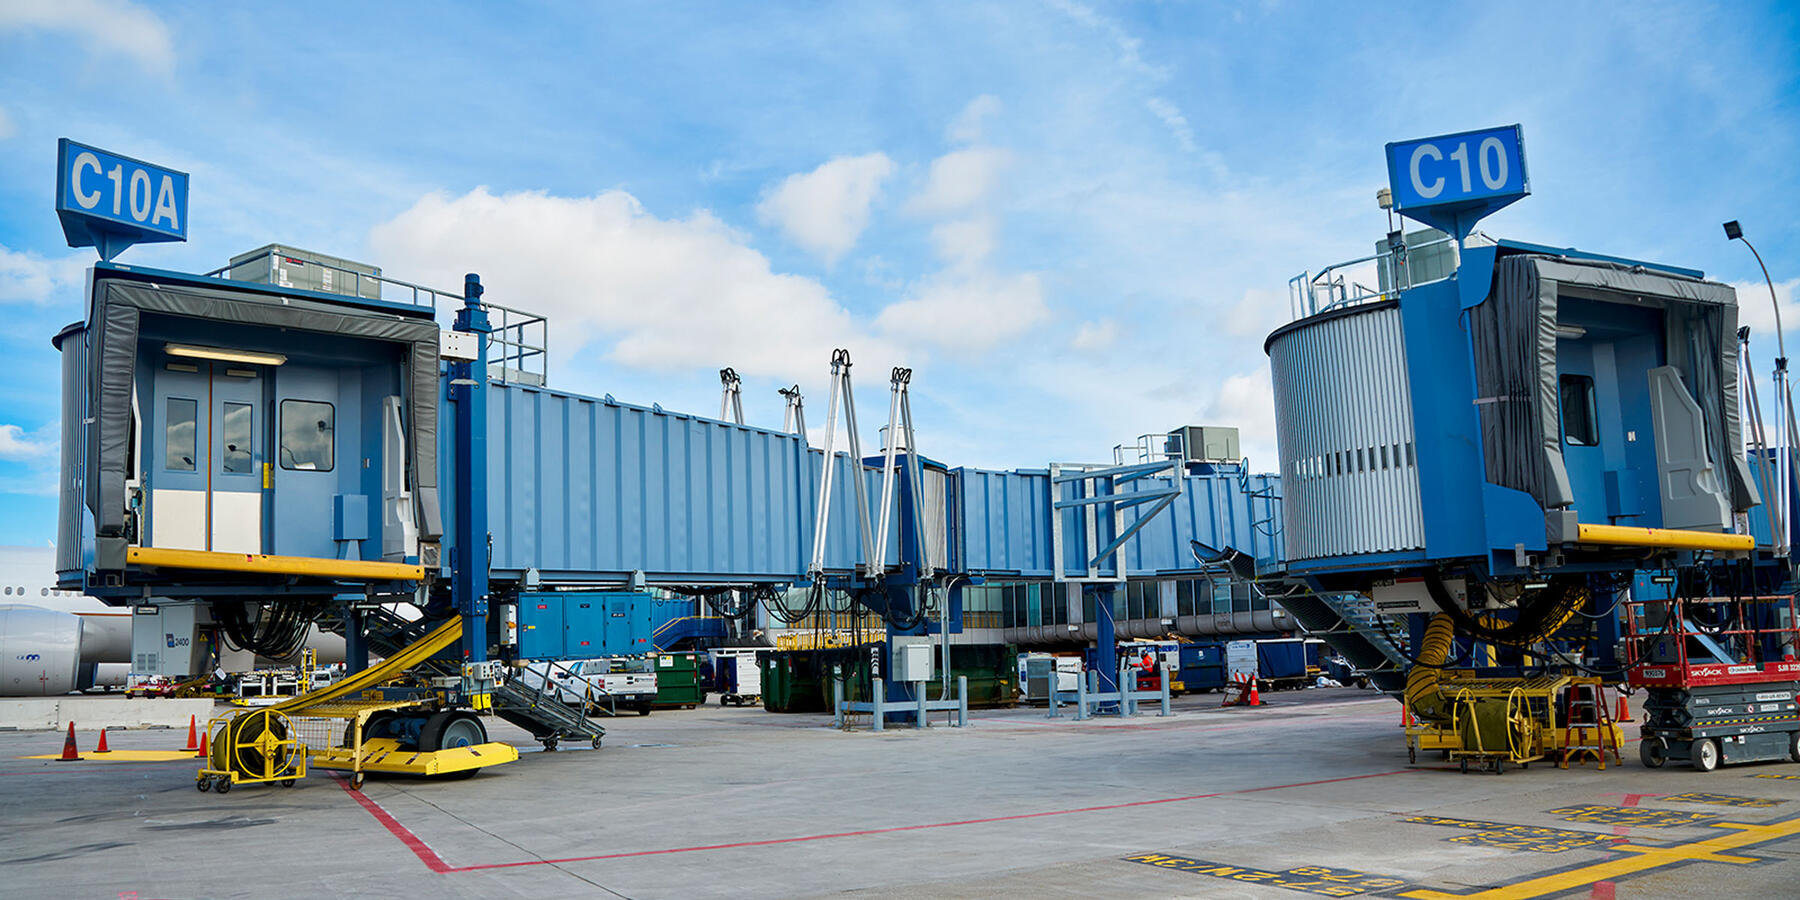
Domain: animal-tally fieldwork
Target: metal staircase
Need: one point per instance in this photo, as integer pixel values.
(1350, 625)
(539, 711)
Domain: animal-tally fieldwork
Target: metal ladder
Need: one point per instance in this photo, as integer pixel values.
(1349, 625)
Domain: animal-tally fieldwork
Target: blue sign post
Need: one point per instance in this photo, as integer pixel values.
(110, 202)
(1451, 182)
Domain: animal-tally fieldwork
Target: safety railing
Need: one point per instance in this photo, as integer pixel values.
(519, 346)
(1348, 283)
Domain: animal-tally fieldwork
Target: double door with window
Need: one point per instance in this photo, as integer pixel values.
(226, 444)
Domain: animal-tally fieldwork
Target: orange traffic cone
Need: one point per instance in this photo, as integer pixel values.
(1255, 698)
(193, 736)
(69, 751)
(1406, 719)
(1624, 711)
(203, 752)
(102, 748)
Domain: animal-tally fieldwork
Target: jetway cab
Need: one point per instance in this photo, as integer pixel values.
(1538, 416)
(225, 438)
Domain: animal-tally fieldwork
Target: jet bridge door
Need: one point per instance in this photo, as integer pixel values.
(204, 475)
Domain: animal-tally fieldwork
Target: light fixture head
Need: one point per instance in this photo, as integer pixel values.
(1384, 198)
(1733, 231)
(221, 354)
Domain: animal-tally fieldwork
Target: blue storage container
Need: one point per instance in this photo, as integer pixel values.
(583, 624)
(1202, 667)
(1281, 659)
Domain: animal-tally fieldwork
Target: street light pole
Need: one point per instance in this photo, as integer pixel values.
(1784, 401)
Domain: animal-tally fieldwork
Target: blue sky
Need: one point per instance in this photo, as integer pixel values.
(1075, 221)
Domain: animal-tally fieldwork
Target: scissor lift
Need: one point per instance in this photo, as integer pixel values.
(1721, 679)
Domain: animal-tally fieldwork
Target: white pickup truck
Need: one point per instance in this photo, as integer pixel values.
(602, 681)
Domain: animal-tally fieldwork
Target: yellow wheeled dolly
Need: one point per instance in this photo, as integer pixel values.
(254, 747)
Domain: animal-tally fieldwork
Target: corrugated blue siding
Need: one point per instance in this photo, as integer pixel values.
(1004, 521)
(583, 488)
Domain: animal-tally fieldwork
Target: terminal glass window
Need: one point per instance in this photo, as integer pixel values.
(237, 431)
(179, 450)
(1580, 424)
(307, 429)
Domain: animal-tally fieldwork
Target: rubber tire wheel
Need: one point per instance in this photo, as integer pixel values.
(356, 781)
(203, 783)
(644, 710)
(1465, 766)
(222, 784)
(368, 727)
(1651, 754)
(1499, 767)
(596, 741)
(1705, 754)
(431, 737)
(1794, 747)
(287, 782)
(550, 744)
(1412, 756)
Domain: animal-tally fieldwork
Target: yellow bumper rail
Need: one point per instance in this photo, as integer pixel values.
(1671, 538)
(263, 564)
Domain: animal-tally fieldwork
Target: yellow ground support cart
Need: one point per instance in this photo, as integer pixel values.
(255, 747)
(1498, 722)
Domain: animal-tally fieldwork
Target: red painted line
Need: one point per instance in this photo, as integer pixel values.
(1631, 799)
(425, 854)
(436, 863)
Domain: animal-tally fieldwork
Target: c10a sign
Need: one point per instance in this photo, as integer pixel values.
(1455, 179)
(111, 202)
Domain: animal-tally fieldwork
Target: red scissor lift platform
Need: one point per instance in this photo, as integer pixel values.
(1721, 681)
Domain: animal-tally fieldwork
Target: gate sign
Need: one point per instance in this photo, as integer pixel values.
(1451, 182)
(110, 202)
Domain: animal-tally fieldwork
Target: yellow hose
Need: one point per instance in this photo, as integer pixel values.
(1422, 694)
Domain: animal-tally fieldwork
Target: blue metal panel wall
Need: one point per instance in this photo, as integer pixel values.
(1004, 521)
(591, 489)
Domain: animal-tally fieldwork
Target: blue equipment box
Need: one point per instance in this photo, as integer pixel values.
(583, 624)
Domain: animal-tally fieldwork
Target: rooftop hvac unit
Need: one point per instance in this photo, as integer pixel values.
(1209, 443)
(291, 267)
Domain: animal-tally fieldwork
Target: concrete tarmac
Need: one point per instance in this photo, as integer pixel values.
(1310, 795)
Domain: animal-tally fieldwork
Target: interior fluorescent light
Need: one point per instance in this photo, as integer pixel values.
(223, 355)
(1570, 332)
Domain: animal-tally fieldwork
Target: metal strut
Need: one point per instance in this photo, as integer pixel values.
(793, 421)
(731, 398)
(840, 386)
(900, 417)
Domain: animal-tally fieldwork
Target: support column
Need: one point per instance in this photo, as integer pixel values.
(468, 391)
(356, 641)
(1106, 642)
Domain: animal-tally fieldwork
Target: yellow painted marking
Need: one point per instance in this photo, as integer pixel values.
(1533, 838)
(1323, 880)
(263, 564)
(1632, 816)
(1724, 800)
(1631, 536)
(125, 756)
(1780, 777)
(1643, 859)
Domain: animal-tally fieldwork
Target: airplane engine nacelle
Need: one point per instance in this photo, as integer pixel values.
(40, 652)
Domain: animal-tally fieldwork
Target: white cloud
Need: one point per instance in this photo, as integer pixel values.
(826, 210)
(1755, 310)
(16, 446)
(1246, 401)
(1257, 313)
(7, 128)
(960, 181)
(666, 293)
(967, 312)
(967, 129)
(964, 243)
(1100, 335)
(29, 278)
(1171, 116)
(103, 26)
